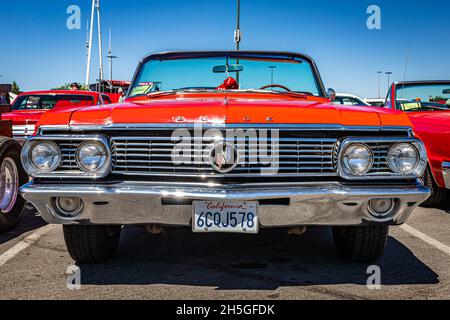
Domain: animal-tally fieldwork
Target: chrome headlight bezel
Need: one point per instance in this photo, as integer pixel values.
(103, 162)
(375, 141)
(420, 165)
(27, 158)
(56, 173)
(345, 167)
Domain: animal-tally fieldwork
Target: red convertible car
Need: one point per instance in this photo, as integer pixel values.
(28, 107)
(225, 141)
(427, 104)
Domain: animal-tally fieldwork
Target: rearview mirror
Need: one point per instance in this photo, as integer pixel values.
(231, 68)
(331, 94)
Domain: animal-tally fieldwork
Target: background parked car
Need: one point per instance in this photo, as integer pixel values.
(427, 104)
(28, 107)
(349, 100)
(377, 102)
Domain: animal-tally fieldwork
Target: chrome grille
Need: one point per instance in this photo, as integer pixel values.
(380, 153)
(153, 156)
(68, 149)
(301, 154)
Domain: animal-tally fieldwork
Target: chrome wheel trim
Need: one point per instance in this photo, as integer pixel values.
(9, 185)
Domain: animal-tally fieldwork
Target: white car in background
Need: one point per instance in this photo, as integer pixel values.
(348, 99)
(377, 102)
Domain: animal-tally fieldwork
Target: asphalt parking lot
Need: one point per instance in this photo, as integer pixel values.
(271, 265)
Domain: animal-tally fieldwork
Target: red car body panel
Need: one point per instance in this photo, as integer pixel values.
(433, 128)
(226, 108)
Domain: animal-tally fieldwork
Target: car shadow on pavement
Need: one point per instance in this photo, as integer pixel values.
(445, 206)
(267, 261)
(28, 223)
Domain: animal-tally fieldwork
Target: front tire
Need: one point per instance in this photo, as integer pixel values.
(12, 176)
(91, 244)
(438, 195)
(361, 244)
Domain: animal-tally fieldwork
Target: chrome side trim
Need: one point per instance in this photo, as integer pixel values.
(446, 173)
(23, 131)
(159, 126)
(318, 204)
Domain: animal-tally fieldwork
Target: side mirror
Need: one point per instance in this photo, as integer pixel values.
(331, 94)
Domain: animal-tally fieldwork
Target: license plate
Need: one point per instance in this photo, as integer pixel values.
(223, 216)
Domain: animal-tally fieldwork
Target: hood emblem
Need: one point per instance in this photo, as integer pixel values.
(224, 157)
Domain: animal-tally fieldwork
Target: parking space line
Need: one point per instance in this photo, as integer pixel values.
(422, 236)
(25, 243)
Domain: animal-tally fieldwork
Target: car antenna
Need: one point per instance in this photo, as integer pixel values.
(406, 66)
(406, 63)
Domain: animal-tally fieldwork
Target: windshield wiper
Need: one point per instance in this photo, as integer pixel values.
(196, 90)
(176, 91)
(436, 108)
(303, 94)
(156, 94)
(289, 93)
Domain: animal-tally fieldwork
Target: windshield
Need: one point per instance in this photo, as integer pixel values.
(274, 73)
(423, 97)
(47, 102)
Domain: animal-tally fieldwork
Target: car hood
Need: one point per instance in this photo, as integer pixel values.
(223, 109)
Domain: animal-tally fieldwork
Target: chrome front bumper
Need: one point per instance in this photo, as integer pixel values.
(446, 173)
(144, 203)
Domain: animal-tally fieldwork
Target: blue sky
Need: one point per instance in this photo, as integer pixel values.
(39, 52)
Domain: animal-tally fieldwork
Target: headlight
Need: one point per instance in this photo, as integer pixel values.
(403, 158)
(357, 159)
(45, 156)
(91, 156)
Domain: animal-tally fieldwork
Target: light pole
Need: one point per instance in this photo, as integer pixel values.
(237, 34)
(111, 58)
(388, 73)
(379, 83)
(95, 7)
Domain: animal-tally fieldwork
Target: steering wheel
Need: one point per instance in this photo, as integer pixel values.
(275, 86)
